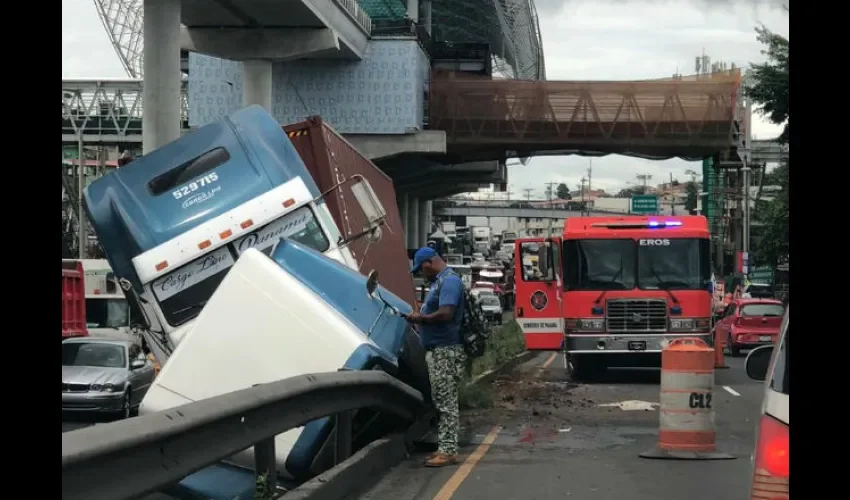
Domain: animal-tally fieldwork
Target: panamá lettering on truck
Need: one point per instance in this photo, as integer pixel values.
(625, 285)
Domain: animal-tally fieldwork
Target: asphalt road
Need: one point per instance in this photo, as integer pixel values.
(552, 439)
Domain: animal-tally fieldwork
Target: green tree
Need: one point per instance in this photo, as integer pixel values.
(769, 88)
(692, 193)
(563, 192)
(769, 81)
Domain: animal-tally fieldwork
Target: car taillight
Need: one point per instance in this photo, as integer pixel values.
(771, 470)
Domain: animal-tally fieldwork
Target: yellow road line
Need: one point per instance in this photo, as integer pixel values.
(454, 482)
(547, 363)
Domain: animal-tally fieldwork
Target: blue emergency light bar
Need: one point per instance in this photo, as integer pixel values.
(653, 224)
(666, 223)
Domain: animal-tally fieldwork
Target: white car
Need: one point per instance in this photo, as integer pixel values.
(770, 459)
(492, 307)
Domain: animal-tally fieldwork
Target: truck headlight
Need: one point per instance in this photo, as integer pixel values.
(691, 325)
(590, 324)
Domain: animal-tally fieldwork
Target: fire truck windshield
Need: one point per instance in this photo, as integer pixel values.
(679, 264)
(599, 264)
(623, 264)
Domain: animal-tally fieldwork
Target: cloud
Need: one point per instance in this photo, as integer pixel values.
(87, 52)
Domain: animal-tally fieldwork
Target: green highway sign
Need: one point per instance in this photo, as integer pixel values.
(761, 275)
(644, 204)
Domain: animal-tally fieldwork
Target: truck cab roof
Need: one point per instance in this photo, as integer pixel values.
(189, 181)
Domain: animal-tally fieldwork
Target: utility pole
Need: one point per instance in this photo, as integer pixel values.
(81, 185)
(590, 174)
(583, 200)
(549, 195)
(672, 196)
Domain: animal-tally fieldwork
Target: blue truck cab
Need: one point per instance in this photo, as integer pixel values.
(173, 222)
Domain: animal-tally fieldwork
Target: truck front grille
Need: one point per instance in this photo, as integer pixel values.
(636, 315)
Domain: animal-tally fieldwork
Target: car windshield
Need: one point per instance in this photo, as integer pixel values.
(96, 354)
(758, 310)
(489, 300)
(674, 264)
(183, 292)
(107, 313)
(599, 264)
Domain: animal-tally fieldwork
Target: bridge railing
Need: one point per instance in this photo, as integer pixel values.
(108, 108)
(130, 458)
(688, 114)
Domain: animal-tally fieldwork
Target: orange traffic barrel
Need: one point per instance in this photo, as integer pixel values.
(719, 345)
(686, 415)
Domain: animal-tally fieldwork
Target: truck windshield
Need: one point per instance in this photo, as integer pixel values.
(677, 264)
(599, 264)
(184, 292)
(107, 313)
(622, 264)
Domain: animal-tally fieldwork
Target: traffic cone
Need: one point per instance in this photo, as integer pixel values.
(686, 416)
(719, 360)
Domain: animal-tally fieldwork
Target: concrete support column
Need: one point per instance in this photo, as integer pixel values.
(425, 13)
(162, 79)
(424, 221)
(403, 206)
(413, 10)
(257, 84)
(413, 224)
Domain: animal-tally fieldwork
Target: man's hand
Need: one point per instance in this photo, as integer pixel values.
(414, 317)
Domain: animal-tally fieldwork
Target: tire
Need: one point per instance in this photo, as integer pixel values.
(127, 406)
(733, 350)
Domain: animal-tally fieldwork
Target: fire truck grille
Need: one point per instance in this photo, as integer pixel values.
(636, 315)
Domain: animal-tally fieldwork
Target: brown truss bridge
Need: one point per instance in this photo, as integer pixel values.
(688, 117)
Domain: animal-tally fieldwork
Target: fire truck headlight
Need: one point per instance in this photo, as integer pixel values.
(682, 324)
(592, 324)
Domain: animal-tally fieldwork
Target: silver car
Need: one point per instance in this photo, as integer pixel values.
(101, 375)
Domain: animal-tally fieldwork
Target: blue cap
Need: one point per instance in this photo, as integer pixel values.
(421, 256)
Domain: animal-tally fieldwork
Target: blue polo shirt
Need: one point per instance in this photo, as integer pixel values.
(450, 294)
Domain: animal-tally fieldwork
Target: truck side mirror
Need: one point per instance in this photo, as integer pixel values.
(375, 212)
(543, 260)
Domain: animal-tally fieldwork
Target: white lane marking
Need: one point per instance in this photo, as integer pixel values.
(731, 390)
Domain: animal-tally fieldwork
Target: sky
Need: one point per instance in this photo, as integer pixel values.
(582, 40)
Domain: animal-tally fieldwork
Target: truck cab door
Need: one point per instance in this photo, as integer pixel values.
(537, 296)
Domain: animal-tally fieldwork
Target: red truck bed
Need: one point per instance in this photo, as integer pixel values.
(330, 160)
(73, 300)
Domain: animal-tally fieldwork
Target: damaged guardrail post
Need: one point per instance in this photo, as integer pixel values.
(343, 436)
(265, 463)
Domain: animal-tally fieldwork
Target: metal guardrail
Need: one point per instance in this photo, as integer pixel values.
(131, 458)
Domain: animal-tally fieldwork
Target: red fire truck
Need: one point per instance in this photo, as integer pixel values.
(613, 290)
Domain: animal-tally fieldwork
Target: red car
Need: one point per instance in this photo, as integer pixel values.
(749, 323)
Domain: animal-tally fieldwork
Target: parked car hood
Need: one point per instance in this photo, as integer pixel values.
(93, 375)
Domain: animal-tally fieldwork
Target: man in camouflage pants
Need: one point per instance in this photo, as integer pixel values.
(439, 321)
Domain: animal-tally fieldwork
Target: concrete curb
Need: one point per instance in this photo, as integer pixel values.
(490, 375)
(356, 475)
